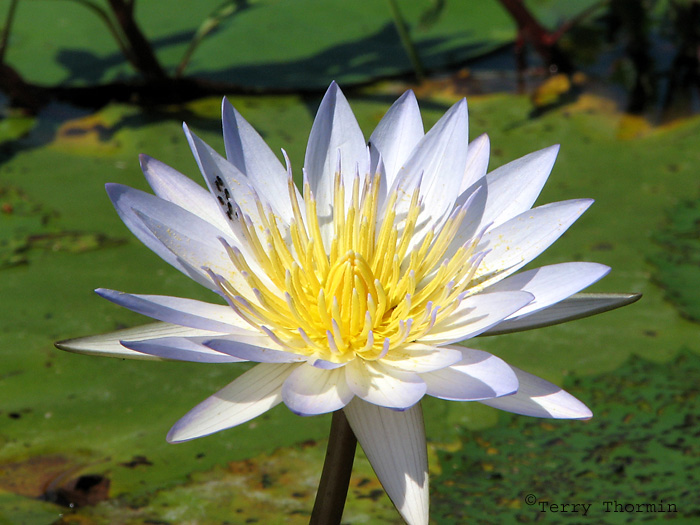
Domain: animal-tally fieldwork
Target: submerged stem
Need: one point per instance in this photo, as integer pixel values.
(335, 478)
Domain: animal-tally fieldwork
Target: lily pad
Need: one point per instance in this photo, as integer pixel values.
(271, 488)
(678, 262)
(637, 460)
(26, 226)
(276, 44)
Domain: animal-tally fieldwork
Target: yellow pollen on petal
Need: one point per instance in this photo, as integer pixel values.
(369, 283)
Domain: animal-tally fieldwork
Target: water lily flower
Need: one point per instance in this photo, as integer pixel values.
(354, 292)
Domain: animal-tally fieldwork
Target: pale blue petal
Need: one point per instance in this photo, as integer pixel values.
(335, 132)
(539, 398)
(171, 185)
(518, 241)
(396, 135)
(309, 390)
(474, 315)
(437, 164)
(420, 358)
(250, 349)
(251, 394)
(249, 153)
(179, 349)
(198, 249)
(109, 345)
(176, 310)
(479, 375)
(383, 385)
(575, 307)
(551, 284)
(229, 186)
(478, 154)
(129, 202)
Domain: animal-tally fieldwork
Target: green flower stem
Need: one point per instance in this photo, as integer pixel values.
(406, 41)
(335, 478)
(6, 30)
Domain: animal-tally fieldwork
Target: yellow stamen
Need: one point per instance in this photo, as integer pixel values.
(369, 291)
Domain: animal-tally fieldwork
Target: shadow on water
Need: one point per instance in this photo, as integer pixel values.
(371, 57)
(86, 67)
(646, 68)
(378, 55)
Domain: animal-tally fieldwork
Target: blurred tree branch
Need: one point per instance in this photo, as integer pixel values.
(11, 83)
(6, 30)
(140, 52)
(545, 42)
(629, 22)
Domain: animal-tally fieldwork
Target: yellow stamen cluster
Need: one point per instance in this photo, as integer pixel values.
(370, 289)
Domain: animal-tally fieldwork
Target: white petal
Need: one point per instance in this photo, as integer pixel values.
(394, 443)
(128, 202)
(384, 385)
(479, 375)
(109, 344)
(514, 187)
(519, 240)
(249, 153)
(251, 394)
(477, 161)
(551, 284)
(437, 164)
(225, 181)
(577, 306)
(396, 135)
(180, 349)
(504, 193)
(252, 349)
(173, 186)
(198, 249)
(420, 358)
(310, 390)
(176, 310)
(474, 315)
(324, 365)
(335, 130)
(539, 398)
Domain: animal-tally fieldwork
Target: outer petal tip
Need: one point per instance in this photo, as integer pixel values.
(64, 345)
(113, 188)
(540, 398)
(181, 432)
(251, 394)
(172, 436)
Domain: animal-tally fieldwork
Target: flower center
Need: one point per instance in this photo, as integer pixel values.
(370, 288)
(350, 284)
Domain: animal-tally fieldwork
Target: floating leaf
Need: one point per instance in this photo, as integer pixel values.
(640, 448)
(678, 262)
